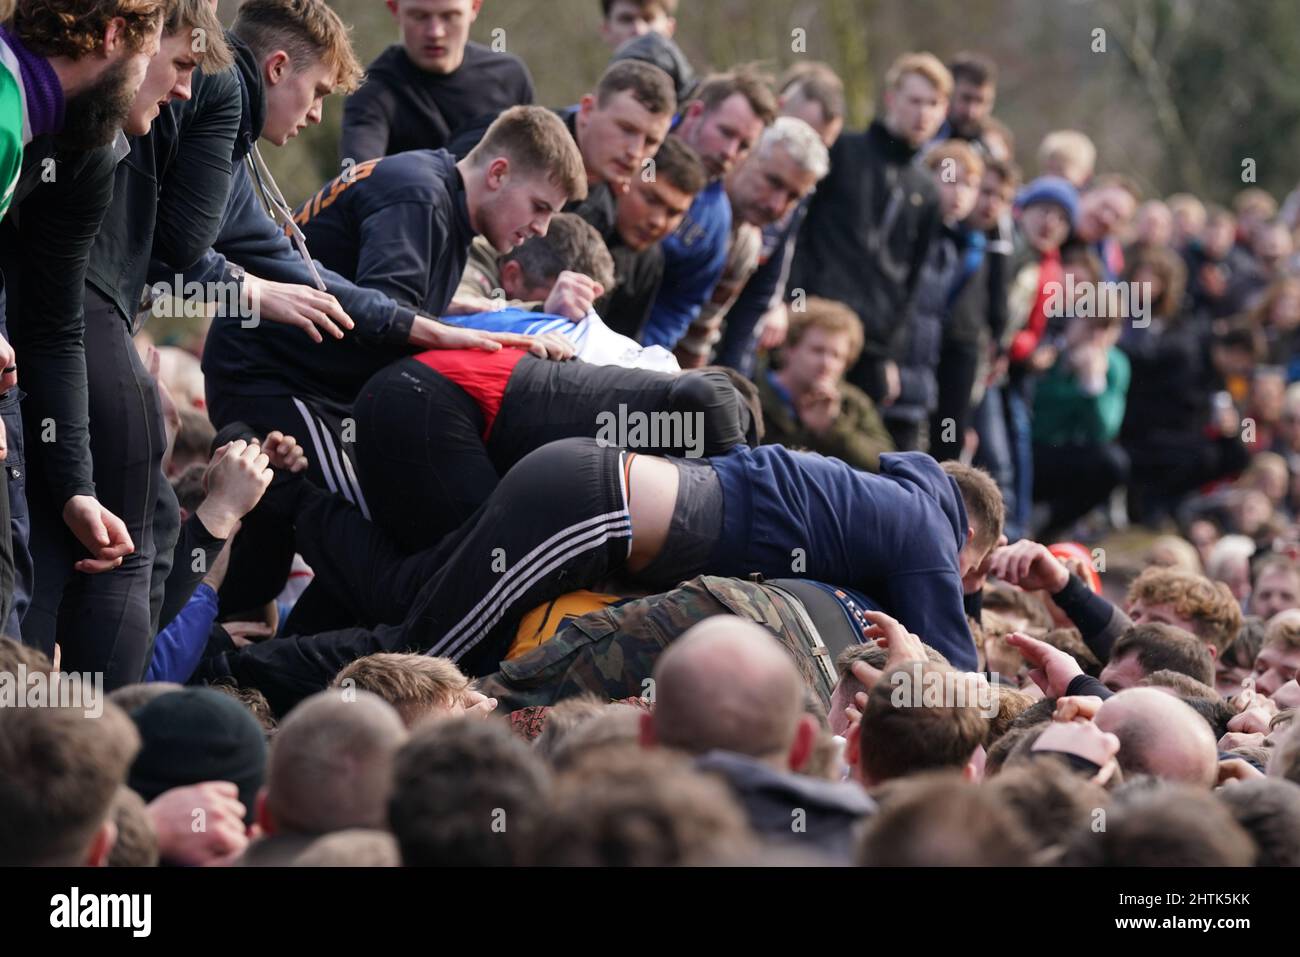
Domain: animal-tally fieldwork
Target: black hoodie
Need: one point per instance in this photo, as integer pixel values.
(174, 219)
(245, 356)
(865, 239)
(45, 242)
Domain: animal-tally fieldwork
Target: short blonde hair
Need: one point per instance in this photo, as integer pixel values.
(1067, 153)
(414, 685)
(1284, 632)
(925, 65)
(536, 141)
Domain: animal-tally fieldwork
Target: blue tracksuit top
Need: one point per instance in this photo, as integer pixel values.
(894, 536)
(694, 257)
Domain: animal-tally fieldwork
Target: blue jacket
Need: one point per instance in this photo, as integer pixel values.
(179, 647)
(764, 291)
(895, 536)
(694, 257)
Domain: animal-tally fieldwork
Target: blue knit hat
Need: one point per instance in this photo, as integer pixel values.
(1051, 189)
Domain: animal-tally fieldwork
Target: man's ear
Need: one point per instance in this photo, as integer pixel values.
(496, 173)
(512, 278)
(586, 105)
(672, 27)
(1214, 652)
(648, 737)
(805, 739)
(392, 6)
(114, 36)
(974, 769)
(970, 534)
(101, 845)
(853, 753)
(276, 67)
(262, 812)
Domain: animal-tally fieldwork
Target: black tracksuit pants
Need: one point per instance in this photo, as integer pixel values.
(557, 521)
(263, 551)
(425, 467)
(104, 622)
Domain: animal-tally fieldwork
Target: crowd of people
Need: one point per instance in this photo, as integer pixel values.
(673, 477)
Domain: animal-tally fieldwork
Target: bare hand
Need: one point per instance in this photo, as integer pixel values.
(775, 326)
(1050, 668)
(1237, 769)
(283, 452)
(245, 633)
(572, 295)
(477, 704)
(1029, 565)
(470, 305)
(1077, 708)
(236, 478)
(101, 532)
(199, 824)
(310, 309)
(553, 345)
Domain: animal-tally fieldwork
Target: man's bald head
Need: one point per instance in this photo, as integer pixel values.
(727, 684)
(331, 763)
(1161, 736)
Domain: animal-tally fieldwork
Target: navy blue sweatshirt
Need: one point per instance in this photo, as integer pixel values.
(398, 224)
(894, 536)
(269, 358)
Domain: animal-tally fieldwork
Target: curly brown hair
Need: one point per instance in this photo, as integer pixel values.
(1214, 613)
(76, 28)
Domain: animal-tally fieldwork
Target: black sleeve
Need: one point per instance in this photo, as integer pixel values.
(997, 287)
(1088, 685)
(931, 219)
(57, 224)
(367, 119)
(397, 244)
(194, 188)
(196, 549)
(1099, 622)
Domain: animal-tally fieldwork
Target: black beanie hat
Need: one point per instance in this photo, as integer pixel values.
(665, 54)
(195, 735)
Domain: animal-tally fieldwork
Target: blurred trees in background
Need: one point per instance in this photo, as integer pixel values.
(1180, 94)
